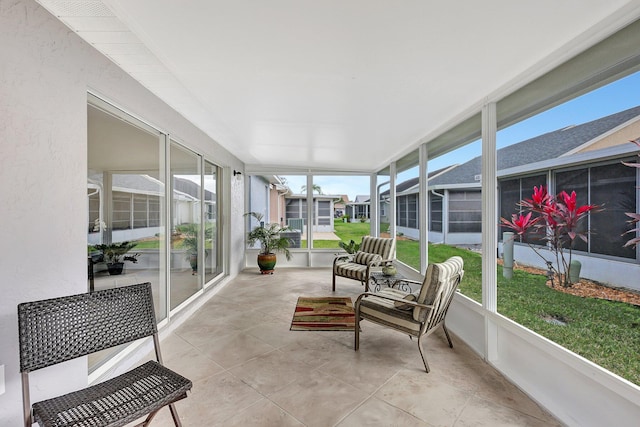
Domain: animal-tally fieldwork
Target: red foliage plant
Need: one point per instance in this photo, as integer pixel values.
(635, 217)
(557, 219)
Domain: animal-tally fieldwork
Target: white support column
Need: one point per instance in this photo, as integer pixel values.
(489, 226)
(310, 211)
(165, 265)
(374, 209)
(392, 199)
(423, 207)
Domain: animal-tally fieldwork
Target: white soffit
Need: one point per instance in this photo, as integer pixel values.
(336, 85)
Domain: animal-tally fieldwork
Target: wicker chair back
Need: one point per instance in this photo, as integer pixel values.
(60, 329)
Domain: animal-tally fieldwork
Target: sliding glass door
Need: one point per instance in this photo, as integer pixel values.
(186, 222)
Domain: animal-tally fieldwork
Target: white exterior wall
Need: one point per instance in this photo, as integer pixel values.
(45, 73)
(604, 270)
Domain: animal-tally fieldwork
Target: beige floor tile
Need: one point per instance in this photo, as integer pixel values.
(191, 363)
(198, 334)
(216, 399)
(317, 352)
(235, 349)
(376, 413)
(263, 414)
(271, 372)
(420, 395)
(318, 399)
(249, 369)
(276, 332)
(479, 412)
(366, 372)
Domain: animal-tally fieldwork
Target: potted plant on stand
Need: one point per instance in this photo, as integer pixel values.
(270, 242)
(189, 233)
(115, 254)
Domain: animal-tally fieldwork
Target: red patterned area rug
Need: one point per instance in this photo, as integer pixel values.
(323, 314)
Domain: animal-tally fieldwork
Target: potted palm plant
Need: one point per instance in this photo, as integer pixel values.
(189, 233)
(270, 242)
(115, 254)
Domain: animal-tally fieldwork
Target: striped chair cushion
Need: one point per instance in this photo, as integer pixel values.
(439, 280)
(365, 258)
(378, 245)
(351, 270)
(384, 312)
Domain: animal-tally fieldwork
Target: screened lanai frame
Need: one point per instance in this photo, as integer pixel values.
(491, 334)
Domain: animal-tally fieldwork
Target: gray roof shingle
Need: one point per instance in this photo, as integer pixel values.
(544, 147)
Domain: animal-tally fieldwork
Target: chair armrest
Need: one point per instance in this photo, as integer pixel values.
(345, 257)
(387, 297)
(376, 263)
(408, 282)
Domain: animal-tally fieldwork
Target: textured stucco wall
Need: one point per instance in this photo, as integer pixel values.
(45, 73)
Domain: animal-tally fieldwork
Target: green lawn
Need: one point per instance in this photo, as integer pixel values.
(346, 231)
(605, 332)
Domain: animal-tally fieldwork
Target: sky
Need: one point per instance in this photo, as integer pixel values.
(612, 98)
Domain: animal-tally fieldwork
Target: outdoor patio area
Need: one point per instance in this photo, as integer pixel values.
(249, 369)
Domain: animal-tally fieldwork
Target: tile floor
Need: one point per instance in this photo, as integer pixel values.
(248, 369)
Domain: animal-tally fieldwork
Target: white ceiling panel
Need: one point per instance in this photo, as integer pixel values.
(337, 84)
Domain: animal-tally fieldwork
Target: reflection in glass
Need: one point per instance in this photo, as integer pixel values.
(125, 204)
(212, 252)
(186, 220)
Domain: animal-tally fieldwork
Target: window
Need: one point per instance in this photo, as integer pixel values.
(296, 209)
(121, 211)
(401, 211)
(511, 191)
(435, 212)
(613, 187)
(412, 211)
(465, 211)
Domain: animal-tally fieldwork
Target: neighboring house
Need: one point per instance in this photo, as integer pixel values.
(407, 206)
(271, 197)
(323, 211)
(267, 197)
(585, 158)
(340, 206)
(277, 202)
(359, 208)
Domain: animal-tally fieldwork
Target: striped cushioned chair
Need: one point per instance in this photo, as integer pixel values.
(418, 314)
(373, 252)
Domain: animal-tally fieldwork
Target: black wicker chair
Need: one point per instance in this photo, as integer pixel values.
(56, 330)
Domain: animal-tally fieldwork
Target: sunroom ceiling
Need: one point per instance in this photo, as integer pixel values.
(334, 84)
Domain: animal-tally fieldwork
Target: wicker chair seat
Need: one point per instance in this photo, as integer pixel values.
(115, 402)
